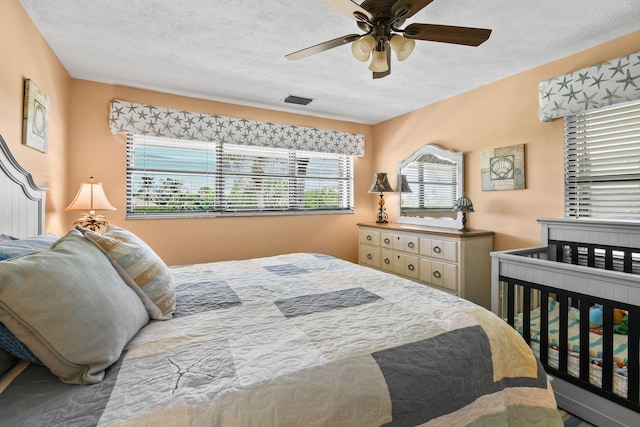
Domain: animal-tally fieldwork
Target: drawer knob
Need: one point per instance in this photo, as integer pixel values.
(437, 249)
(410, 244)
(436, 274)
(387, 240)
(387, 261)
(411, 267)
(368, 237)
(369, 256)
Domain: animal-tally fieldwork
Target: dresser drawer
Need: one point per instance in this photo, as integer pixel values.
(369, 255)
(400, 242)
(400, 263)
(369, 237)
(439, 274)
(441, 249)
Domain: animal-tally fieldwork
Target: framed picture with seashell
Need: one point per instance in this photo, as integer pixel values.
(503, 168)
(35, 127)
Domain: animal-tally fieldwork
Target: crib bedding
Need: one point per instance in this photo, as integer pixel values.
(301, 339)
(573, 341)
(620, 370)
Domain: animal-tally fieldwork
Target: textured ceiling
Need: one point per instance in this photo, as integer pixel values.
(234, 51)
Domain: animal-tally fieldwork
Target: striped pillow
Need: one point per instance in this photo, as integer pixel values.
(140, 268)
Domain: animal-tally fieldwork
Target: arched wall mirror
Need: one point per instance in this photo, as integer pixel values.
(429, 183)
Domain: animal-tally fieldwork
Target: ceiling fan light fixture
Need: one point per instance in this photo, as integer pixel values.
(402, 46)
(362, 47)
(379, 62)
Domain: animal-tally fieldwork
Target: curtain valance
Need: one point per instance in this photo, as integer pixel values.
(610, 82)
(141, 119)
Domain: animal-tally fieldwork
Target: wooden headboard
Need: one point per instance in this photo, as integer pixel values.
(22, 201)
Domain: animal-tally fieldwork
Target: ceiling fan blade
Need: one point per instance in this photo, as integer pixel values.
(330, 44)
(351, 9)
(408, 8)
(387, 49)
(447, 34)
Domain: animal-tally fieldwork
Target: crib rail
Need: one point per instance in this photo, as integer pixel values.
(521, 296)
(615, 258)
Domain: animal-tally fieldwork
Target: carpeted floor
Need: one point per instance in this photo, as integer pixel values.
(571, 420)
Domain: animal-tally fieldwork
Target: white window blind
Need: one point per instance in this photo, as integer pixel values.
(602, 163)
(433, 186)
(168, 177)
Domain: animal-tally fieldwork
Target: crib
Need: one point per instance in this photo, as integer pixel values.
(548, 292)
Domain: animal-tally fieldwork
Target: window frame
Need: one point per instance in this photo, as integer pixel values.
(602, 163)
(344, 183)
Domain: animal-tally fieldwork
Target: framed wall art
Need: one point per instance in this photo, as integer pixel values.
(503, 168)
(36, 117)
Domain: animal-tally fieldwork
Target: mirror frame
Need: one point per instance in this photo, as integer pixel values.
(437, 151)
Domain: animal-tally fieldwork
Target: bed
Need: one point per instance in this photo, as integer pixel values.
(575, 299)
(298, 339)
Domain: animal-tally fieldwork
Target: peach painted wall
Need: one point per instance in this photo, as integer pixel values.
(93, 150)
(80, 145)
(26, 55)
(501, 114)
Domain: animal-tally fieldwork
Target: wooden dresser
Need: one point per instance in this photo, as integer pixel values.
(454, 261)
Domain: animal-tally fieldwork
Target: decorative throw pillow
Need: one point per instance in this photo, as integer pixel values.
(17, 247)
(15, 347)
(140, 267)
(70, 307)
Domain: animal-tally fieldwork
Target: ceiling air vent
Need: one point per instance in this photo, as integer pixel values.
(292, 99)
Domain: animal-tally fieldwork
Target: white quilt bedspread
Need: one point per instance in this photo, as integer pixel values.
(310, 340)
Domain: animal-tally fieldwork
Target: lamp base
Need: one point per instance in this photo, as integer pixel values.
(382, 217)
(91, 222)
(464, 223)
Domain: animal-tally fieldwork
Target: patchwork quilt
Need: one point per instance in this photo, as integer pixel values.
(302, 340)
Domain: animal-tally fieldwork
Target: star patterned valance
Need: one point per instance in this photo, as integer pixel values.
(610, 82)
(141, 119)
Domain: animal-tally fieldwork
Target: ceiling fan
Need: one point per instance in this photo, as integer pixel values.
(381, 20)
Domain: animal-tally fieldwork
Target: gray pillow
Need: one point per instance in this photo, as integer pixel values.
(17, 247)
(70, 307)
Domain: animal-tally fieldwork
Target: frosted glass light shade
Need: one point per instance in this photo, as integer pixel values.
(402, 46)
(362, 47)
(91, 198)
(379, 62)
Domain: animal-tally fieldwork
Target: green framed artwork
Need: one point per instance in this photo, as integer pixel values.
(503, 168)
(35, 127)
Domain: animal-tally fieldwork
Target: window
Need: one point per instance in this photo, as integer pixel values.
(172, 178)
(433, 183)
(602, 163)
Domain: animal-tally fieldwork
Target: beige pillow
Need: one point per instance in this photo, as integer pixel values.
(141, 269)
(70, 307)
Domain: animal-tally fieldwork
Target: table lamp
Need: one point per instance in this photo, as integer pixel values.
(381, 185)
(464, 205)
(91, 198)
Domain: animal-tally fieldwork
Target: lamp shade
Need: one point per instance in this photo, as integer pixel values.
(362, 47)
(463, 204)
(90, 197)
(402, 46)
(379, 62)
(380, 183)
(404, 184)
